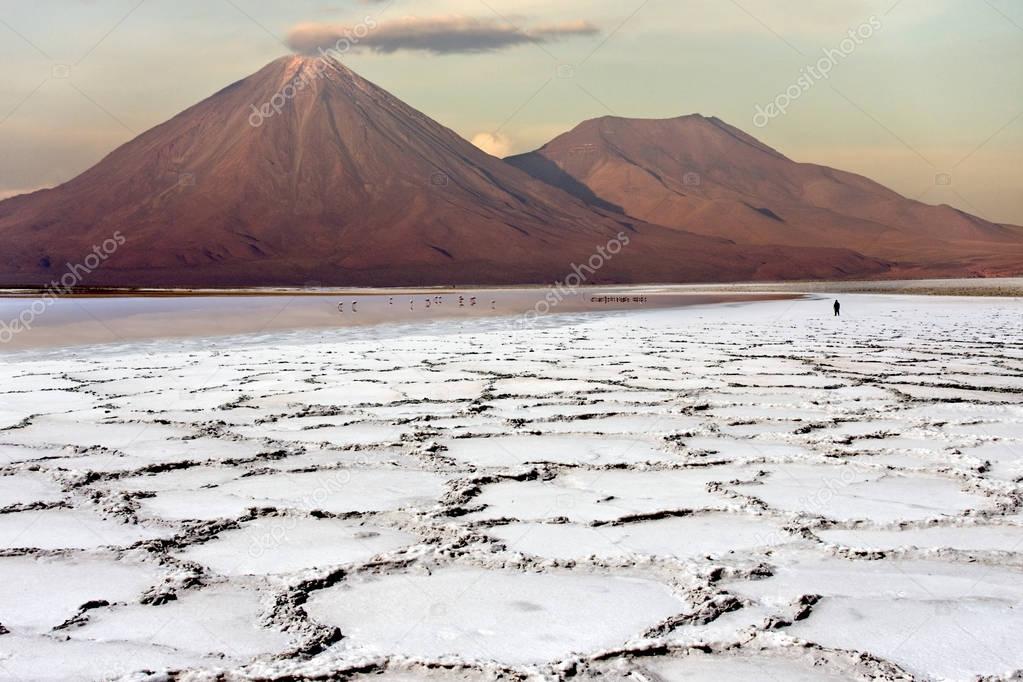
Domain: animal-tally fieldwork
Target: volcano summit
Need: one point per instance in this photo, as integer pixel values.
(305, 172)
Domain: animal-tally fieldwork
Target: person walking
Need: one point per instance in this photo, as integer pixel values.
(838, 308)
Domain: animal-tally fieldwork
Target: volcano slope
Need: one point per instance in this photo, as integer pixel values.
(341, 183)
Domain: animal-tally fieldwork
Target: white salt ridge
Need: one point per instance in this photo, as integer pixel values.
(699, 667)
(954, 640)
(28, 487)
(440, 390)
(513, 451)
(218, 620)
(288, 544)
(964, 538)
(321, 430)
(190, 478)
(800, 572)
(547, 387)
(320, 458)
(10, 454)
(30, 604)
(86, 661)
(683, 538)
(146, 443)
(650, 425)
(350, 393)
(735, 449)
(338, 491)
(607, 495)
(516, 618)
(70, 529)
(70, 430)
(20, 406)
(845, 493)
(1005, 459)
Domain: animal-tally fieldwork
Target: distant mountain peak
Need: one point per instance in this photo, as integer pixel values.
(700, 174)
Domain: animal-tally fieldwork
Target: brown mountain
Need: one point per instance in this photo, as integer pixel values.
(705, 176)
(345, 185)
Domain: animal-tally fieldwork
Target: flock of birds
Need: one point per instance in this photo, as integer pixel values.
(429, 301)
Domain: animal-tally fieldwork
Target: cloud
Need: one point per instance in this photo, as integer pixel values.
(494, 144)
(437, 35)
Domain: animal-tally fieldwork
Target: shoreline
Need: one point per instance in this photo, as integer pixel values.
(101, 317)
(89, 321)
(980, 286)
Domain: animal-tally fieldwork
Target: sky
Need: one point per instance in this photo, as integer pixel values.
(925, 96)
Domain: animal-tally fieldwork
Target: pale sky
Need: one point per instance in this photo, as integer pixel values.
(936, 88)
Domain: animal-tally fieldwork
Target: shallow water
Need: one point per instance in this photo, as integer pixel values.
(28, 322)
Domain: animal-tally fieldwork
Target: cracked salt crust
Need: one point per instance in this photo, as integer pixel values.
(709, 493)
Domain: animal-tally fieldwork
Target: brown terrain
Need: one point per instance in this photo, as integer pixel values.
(347, 185)
(702, 175)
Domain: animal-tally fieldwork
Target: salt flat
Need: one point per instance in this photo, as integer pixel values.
(737, 492)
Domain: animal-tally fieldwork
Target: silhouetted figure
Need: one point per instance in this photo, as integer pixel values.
(838, 308)
(354, 304)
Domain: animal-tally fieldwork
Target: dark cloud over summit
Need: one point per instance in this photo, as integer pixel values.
(437, 35)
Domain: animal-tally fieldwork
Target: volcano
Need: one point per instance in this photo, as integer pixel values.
(702, 175)
(306, 173)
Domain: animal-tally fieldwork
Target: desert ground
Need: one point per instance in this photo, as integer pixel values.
(740, 491)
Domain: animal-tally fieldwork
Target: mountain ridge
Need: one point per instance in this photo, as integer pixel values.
(306, 173)
(749, 192)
